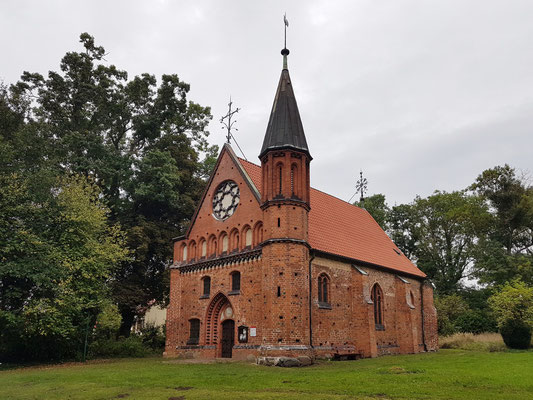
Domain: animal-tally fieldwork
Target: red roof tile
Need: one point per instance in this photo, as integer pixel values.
(340, 228)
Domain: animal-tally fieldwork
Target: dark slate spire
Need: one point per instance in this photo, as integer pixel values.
(285, 129)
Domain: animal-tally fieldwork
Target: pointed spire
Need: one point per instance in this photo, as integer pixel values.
(285, 129)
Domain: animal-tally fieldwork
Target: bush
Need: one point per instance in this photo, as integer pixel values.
(449, 309)
(516, 334)
(123, 347)
(513, 307)
(153, 337)
(475, 321)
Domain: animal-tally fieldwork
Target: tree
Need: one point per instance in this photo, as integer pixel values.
(440, 234)
(448, 224)
(403, 228)
(143, 143)
(506, 251)
(58, 256)
(377, 207)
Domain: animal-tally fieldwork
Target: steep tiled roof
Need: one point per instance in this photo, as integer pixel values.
(342, 229)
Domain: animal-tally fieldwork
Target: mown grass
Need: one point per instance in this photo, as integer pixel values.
(448, 374)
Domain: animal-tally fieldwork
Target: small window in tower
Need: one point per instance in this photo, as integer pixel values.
(292, 179)
(279, 291)
(279, 222)
(280, 179)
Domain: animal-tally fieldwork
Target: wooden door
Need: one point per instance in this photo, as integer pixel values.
(228, 337)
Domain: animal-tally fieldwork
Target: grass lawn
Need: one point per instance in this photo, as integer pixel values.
(448, 374)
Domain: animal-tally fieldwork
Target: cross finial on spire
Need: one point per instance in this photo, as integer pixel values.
(229, 123)
(361, 186)
(285, 52)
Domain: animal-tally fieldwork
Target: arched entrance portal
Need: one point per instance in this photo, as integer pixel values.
(220, 318)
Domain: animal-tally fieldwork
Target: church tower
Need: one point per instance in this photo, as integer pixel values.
(285, 203)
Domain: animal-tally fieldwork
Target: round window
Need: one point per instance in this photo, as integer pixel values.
(225, 200)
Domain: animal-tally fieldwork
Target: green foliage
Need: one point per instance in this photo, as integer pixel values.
(57, 255)
(506, 251)
(516, 334)
(108, 321)
(513, 302)
(448, 225)
(377, 207)
(153, 337)
(449, 310)
(131, 346)
(440, 234)
(141, 141)
(513, 307)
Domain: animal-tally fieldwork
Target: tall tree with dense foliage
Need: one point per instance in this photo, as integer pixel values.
(440, 234)
(58, 255)
(506, 252)
(142, 142)
(448, 227)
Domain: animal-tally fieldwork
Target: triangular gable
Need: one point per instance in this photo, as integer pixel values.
(226, 151)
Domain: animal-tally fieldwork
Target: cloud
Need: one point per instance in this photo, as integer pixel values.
(420, 95)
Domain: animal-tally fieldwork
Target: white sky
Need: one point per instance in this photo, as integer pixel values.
(422, 95)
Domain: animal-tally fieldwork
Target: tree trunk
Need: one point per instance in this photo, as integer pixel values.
(127, 323)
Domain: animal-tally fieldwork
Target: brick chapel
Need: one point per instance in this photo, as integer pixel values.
(272, 267)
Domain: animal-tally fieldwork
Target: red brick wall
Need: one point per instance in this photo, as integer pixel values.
(247, 214)
(282, 318)
(349, 324)
(186, 303)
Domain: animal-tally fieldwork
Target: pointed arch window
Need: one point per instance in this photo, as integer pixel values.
(295, 190)
(323, 291)
(280, 179)
(377, 299)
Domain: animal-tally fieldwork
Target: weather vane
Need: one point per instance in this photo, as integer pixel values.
(285, 52)
(286, 22)
(362, 186)
(227, 122)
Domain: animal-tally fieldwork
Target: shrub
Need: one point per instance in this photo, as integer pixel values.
(449, 309)
(108, 321)
(513, 307)
(153, 337)
(475, 321)
(122, 347)
(516, 334)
